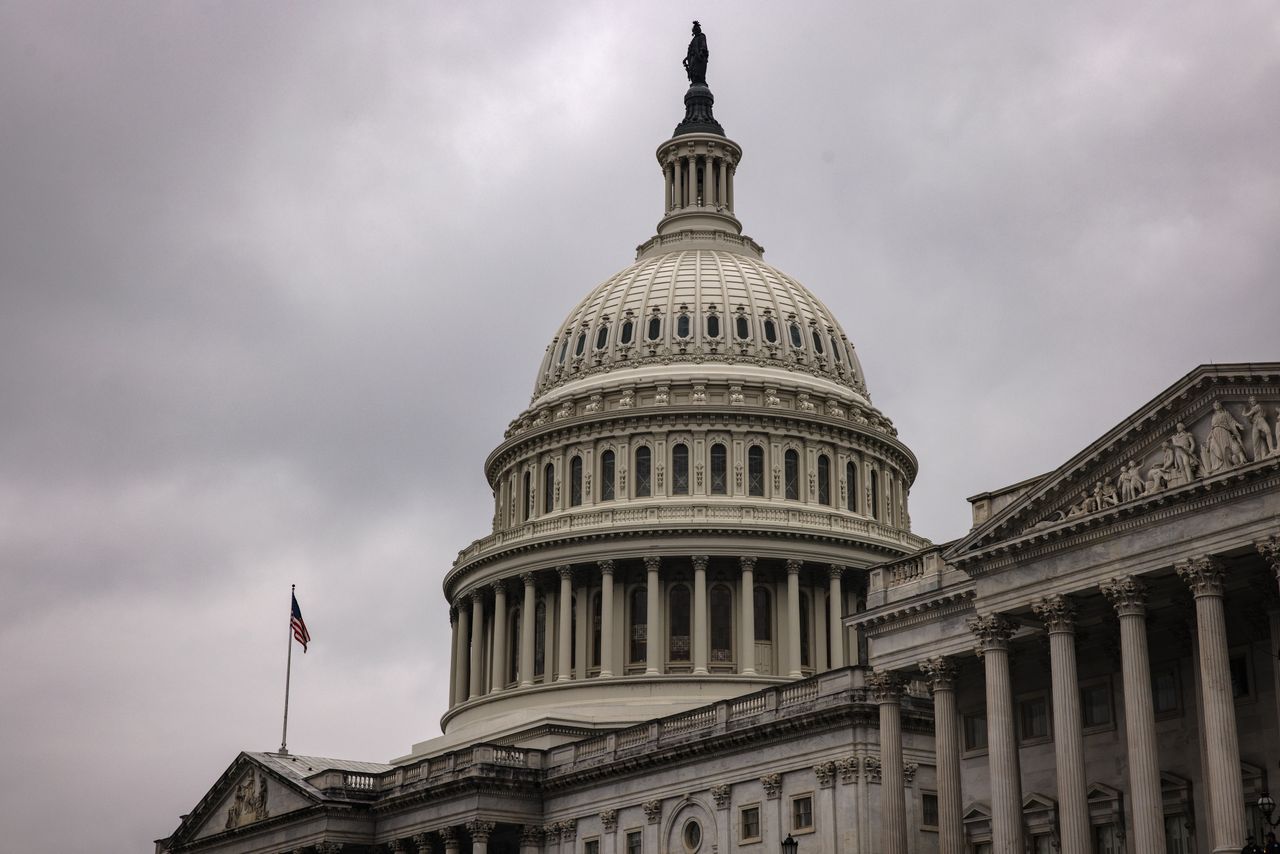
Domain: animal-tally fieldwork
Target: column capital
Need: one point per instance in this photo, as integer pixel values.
(835, 570)
(609, 820)
(453, 615)
(606, 567)
(480, 830)
(747, 562)
(530, 834)
(568, 829)
(652, 563)
(529, 579)
(992, 632)
(1269, 548)
(477, 596)
(885, 686)
(565, 571)
(1202, 574)
(700, 562)
(772, 784)
(941, 673)
(793, 567)
(1126, 594)
(447, 834)
(1058, 613)
(499, 587)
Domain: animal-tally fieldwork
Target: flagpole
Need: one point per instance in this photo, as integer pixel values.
(288, 670)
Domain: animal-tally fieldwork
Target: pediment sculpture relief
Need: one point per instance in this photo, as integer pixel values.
(1215, 444)
(249, 803)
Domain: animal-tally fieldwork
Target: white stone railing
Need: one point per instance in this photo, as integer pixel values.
(905, 571)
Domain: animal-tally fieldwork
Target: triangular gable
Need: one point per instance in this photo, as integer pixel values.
(1148, 458)
(248, 792)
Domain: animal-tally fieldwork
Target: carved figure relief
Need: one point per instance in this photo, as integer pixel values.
(1256, 417)
(804, 404)
(1223, 448)
(662, 396)
(595, 404)
(772, 401)
(735, 396)
(565, 410)
(249, 803)
(699, 395)
(628, 399)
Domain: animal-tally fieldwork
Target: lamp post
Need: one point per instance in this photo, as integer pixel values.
(790, 846)
(1266, 806)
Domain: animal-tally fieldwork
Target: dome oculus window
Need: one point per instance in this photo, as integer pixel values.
(796, 340)
(770, 331)
(692, 836)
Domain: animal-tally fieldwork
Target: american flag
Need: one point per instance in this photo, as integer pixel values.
(300, 633)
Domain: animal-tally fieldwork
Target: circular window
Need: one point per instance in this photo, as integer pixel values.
(692, 835)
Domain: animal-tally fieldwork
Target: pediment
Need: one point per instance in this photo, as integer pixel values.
(1211, 427)
(247, 793)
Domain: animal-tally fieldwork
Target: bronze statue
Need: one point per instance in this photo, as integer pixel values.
(695, 59)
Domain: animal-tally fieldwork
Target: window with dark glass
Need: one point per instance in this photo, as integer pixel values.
(680, 469)
(1095, 705)
(575, 481)
(720, 603)
(581, 346)
(713, 326)
(635, 841)
(602, 336)
(639, 648)
(824, 479)
(655, 328)
(755, 470)
(835, 349)
(682, 325)
(796, 341)
(742, 327)
(802, 813)
(770, 331)
(595, 630)
(644, 472)
(851, 487)
(679, 611)
(763, 613)
(719, 470)
(1241, 684)
(540, 638)
(817, 342)
(564, 348)
(974, 725)
(928, 809)
(527, 495)
(806, 651)
(875, 495)
(628, 330)
(791, 475)
(513, 646)
(591, 846)
(548, 488)
(1033, 718)
(1165, 695)
(606, 476)
(750, 825)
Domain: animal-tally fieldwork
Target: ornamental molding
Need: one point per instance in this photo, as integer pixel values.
(885, 687)
(1058, 612)
(871, 764)
(609, 820)
(847, 767)
(909, 772)
(825, 773)
(940, 672)
(249, 801)
(652, 810)
(772, 785)
(480, 830)
(992, 632)
(1126, 594)
(1204, 575)
(909, 613)
(720, 793)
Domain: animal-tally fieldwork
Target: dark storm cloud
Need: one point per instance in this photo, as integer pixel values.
(274, 278)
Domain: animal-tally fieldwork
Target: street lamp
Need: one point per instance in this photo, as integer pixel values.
(790, 846)
(1266, 806)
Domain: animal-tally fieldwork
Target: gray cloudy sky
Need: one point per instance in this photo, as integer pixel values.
(274, 278)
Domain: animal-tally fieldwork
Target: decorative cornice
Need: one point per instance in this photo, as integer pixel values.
(1202, 574)
(1058, 613)
(918, 609)
(1126, 594)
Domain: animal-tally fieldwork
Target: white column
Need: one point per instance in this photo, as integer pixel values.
(460, 659)
(527, 621)
(564, 655)
(668, 173)
(793, 618)
(498, 673)
(700, 615)
(653, 596)
(946, 725)
(477, 643)
(549, 636)
(729, 187)
(708, 183)
(480, 831)
(453, 656)
(835, 616)
(1226, 794)
(748, 619)
(677, 174)
(606, 618)
(993, 634)
(1059, 615)
(721, 198)
(886, 690)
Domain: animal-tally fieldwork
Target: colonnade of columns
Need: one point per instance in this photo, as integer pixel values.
(481, 620)
(993, 633)
(699, 180)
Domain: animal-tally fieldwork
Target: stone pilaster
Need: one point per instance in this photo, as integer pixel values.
(835, 619)
(528, 624)
(1226, 796)
(993, 633)
(793, 618)
(748, 616)
(886, 691)
(564, 652)
(941, 673)
(700, 614)
(653, 637)
(1058, 614)
(606, 618)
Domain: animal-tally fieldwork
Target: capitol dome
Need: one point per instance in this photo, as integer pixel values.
(687, 508)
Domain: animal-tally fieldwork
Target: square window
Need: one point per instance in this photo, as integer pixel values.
(802, 813)
(928, 811)
(975, 731)
(1095, 705)
(749, 824)
(591, 846)
(1241, 683)
(1033, 718)
(1166, 697)
(634, 841)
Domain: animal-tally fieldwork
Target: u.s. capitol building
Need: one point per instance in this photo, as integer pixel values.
(702, 623)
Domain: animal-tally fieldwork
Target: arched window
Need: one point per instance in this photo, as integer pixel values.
(513, 645)
(824, 479)
(595, 630)
(540, 638)
(680, 469)
(581, 346)
(564, 348)
(655, 328)
(606, 476)
(763, 612)
(682, 325)
(644, 472)
(796, 340)
(527, 504)
(755, 470)
(575, 481)
(628, 330)
(678, 610)
(806, 652)
(720, 604)
(791, 475)
(719, 470)
(639, 646)
(817, 342)
(770, 331)
(742, 327)
(548, 488)
(875, 495)
(602, 336)
(851, 487)
(713, 326)
(835, 349)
